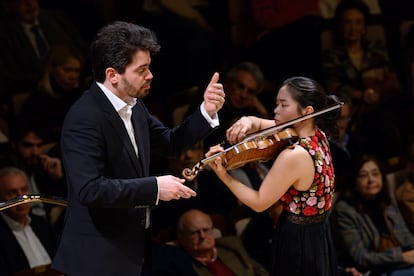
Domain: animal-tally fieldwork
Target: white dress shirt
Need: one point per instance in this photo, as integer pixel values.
(34, 250)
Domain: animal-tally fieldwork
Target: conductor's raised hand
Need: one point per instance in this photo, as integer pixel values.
(171, 187)
(214, 96)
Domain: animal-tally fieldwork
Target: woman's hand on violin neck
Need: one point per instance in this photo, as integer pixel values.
(239, 130)
(217, 166)
(214, 149)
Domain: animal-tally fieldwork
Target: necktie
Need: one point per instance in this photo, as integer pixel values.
(41, 44)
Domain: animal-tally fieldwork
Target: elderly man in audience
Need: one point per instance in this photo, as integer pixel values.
(222, 256)
(26, 240)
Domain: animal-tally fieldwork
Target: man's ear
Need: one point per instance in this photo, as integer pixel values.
(111, 75)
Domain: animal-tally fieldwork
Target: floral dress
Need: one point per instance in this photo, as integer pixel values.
(302, 243)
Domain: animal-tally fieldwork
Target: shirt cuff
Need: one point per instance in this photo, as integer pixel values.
(213, 121)
(158, 192)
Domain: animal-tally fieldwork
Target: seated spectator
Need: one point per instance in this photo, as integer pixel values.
(404, 193)
(243, 83)
(210, 256)
(26, 34)
(42, 164)
(370, 231)
(26, 240)
(60, 85)
(362, 70)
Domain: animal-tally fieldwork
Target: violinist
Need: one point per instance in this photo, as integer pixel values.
(301, 177)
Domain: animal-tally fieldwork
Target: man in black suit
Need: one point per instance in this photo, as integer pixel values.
(106, 154)
(26, 240)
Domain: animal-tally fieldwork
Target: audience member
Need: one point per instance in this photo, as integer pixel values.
(32, 153)
(210, 256)
(404, 193)
(363, 70)
(370, 231)
(26, 35)
(60, 85)
(26, 240)
(243, 83)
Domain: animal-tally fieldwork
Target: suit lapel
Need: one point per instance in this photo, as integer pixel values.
(119, 128)
(141, 136)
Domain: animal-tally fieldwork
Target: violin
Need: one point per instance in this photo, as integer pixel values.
(259, 146)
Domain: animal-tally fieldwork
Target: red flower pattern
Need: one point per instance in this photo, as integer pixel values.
(323, 185)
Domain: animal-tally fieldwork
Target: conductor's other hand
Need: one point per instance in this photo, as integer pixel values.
(172, 187)
(214, 96)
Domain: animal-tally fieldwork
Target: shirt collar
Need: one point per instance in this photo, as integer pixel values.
(117, 103)
(14, 225)
(27, 27)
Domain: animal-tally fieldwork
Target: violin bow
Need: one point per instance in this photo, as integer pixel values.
(31, 198)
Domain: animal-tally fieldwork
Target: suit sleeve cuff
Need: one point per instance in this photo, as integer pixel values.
(213, 121)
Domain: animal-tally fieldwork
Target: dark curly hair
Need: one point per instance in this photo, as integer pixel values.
(115, 45)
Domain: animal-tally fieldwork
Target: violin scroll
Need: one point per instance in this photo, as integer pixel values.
(191, 174)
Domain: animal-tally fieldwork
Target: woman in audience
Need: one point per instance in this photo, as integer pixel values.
(60, 86)
(370, 232)
(362, 70)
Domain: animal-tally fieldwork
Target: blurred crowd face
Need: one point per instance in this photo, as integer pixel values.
(352, 25)
(12, 186)
(369, 180)
(26, 10)
(67, 75)
(196, 233)
(242, 90)
(29, 149)
(192, 155)
(343, 120)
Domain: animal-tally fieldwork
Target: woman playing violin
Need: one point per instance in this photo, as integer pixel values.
(302, 177)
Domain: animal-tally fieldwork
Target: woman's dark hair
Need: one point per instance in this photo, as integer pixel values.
(308, 92)
(115, 45)
(353, 197)
(346, 5)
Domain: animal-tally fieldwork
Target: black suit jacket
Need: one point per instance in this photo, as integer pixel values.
(12, 257)
(104, 230)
